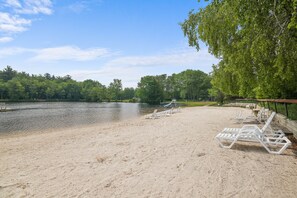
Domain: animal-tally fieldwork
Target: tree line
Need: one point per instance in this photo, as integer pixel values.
(256, 42)
(18, 86)
(187, 85)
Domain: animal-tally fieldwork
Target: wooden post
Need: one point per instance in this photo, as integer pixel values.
(268, 105)
(275, 107)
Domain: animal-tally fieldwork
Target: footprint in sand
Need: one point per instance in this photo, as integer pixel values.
(100, 159)
(201, 154)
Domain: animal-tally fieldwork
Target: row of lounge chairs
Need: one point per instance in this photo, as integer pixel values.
(261, 116)
(273, 141)
(156, 114)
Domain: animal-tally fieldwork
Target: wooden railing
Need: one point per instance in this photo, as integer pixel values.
(287, 107)
(274, 102)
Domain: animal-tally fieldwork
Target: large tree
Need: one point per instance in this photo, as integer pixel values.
(256, 42)
(115, 88)
(150, 90)
(189, 84)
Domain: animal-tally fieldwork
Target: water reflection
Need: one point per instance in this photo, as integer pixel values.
(44, 116)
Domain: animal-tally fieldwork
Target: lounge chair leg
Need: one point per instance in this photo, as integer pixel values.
(226, 146)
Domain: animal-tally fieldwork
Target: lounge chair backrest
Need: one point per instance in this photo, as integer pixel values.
(268, 122)
(260, 114)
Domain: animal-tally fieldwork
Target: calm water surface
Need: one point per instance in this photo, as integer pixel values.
(48, 115)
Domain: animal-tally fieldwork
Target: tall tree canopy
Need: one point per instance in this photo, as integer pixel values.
(256, 42)
(189, 84)
(115, 89)
(150, 90)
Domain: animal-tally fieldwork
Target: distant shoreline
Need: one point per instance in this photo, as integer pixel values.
(58, 100)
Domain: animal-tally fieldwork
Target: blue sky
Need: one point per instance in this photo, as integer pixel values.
(99, 39)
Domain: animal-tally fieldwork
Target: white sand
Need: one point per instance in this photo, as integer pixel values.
(175, 156)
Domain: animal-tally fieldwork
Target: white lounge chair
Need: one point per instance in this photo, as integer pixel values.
(169, 112)
(245, 119)
(274, 143)
(257, 118)
(238, 117)
(154, 115)
(264, 130)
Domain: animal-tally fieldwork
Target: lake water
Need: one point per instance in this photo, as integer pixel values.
(42, 116)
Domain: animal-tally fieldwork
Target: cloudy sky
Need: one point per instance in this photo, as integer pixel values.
(99, 39)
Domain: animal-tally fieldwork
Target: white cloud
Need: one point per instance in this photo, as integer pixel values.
(78, 7)
(12, 24)
(68, 53)
(5, 39)
(82, 5)
(176, 58)
(30, 6)
(36, 7)
(12, 51)
(127, 68)
(13, 3)
(71, 53)
(15, 18)
(131, 68)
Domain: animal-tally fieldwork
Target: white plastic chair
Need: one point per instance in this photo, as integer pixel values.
(263, 130)
(154, 115)
(274, 143)
(252, 118)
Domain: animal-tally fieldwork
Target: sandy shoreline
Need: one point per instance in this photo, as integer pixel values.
(175, 156)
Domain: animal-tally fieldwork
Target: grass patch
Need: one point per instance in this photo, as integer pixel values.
(280, 108)
(197, 104)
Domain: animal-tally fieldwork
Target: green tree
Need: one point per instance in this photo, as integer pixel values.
(172, 87)
(7, 74)
(15, 89)
(189, 84)
(128, 93)
(72, 90)
(256, 42)
(115, 89)
(93, 91)
(150, 90)
(3, 90)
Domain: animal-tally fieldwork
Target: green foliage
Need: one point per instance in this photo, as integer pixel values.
(256, 42)
(7, 74)
(189, 84)
(196, 104)
(15, 89)
(150, 90)
(193, 84)
(93, 91)
(21, 86)
(216, 95)
(115, 89)
(128, 93)
(280, 108)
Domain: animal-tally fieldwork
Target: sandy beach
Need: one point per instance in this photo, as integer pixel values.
(174, 156)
